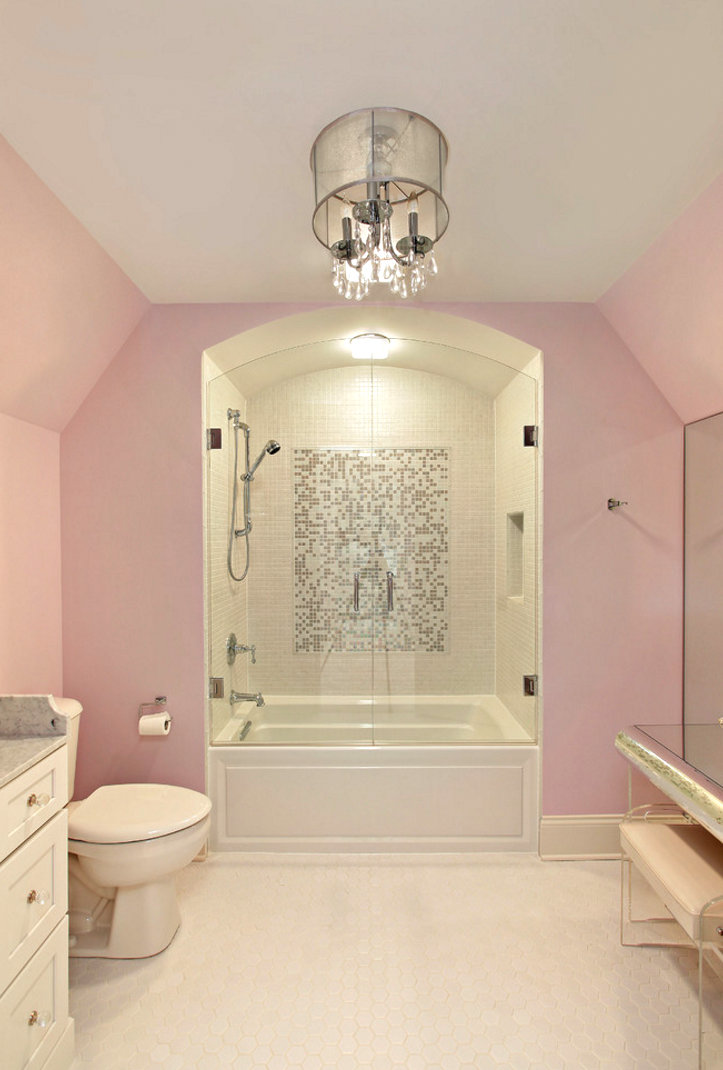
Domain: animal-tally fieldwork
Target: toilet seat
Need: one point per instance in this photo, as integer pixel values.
(130, 813)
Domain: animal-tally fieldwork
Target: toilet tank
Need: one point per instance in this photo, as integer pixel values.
(72, 710)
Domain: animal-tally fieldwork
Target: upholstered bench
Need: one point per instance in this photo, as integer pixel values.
(683, 864)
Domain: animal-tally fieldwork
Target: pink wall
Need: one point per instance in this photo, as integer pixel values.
(612, 581)
(30, 615)
(131, 463)
(65, 306)
(668, 308)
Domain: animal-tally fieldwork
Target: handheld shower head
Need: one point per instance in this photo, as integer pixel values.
(271, 447)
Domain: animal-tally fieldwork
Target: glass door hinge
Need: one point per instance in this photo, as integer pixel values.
(529, 685)
(531, 434)
(215, 687)
(213, 438)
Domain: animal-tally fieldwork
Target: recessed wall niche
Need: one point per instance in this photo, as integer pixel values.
(515, 544)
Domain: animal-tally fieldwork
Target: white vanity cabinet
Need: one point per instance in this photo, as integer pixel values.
(35, 1029)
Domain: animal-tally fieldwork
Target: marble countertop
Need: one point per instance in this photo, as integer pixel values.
(656, 752)
(31, 727)
(17, 755)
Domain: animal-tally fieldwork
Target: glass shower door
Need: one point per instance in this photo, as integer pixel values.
(411, 551)
(301, 619)
(334, 597)
(333, 511)
(391, 595)
(455, 550)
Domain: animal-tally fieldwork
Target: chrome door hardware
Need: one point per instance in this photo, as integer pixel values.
(529, 685)
(390, 591)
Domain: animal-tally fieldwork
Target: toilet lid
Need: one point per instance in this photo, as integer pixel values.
(126, 813)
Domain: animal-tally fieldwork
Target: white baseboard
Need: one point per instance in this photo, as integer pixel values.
(580, 836)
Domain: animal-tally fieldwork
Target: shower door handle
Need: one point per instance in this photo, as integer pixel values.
(356, 592)
(390, 591)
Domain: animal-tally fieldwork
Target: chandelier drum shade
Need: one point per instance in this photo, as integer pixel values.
(378, 192)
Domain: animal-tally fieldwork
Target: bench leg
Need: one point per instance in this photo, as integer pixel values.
(710, 1008)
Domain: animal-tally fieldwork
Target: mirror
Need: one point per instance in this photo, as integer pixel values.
(702, 736)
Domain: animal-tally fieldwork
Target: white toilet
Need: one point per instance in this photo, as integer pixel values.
(126, 843)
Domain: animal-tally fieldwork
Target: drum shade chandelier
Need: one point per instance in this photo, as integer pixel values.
(379, 199)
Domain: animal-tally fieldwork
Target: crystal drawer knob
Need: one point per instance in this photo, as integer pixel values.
(38, 800)
(41, 898)
(40, 1018)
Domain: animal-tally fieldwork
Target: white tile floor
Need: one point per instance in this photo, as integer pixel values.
(449, 962)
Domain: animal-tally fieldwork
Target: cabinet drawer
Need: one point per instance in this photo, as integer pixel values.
(34, 1009)
(29, 800)
(33, 895)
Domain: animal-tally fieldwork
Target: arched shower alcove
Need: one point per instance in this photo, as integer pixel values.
(372, 589)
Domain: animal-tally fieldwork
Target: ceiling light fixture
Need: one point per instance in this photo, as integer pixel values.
(369, 346)
(378, 194)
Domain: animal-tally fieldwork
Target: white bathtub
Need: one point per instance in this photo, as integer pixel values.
(431, 773)
(359, 721)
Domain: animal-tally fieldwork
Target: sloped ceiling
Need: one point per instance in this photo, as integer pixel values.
(65, 306)
(668, 308)
(163, 156)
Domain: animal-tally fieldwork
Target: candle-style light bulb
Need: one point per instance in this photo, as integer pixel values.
(413, 222)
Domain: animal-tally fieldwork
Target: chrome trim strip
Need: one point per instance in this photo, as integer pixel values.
(690, 789)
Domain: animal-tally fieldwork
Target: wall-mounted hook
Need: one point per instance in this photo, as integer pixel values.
(615, 503)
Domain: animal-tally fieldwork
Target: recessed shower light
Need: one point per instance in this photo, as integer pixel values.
(369, 346)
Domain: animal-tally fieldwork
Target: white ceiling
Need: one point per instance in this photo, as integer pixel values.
(178, 132)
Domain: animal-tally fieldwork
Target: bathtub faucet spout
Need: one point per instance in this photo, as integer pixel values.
(240, 696)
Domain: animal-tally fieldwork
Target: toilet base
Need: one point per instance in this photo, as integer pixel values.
(140, 921)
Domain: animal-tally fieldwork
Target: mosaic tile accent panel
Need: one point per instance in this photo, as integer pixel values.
(370, 513)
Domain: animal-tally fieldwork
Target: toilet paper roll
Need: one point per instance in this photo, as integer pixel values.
(154, 724)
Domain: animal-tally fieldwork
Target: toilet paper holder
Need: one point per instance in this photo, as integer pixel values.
(146, 707)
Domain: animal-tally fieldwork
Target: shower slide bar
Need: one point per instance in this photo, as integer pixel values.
(390, 592)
